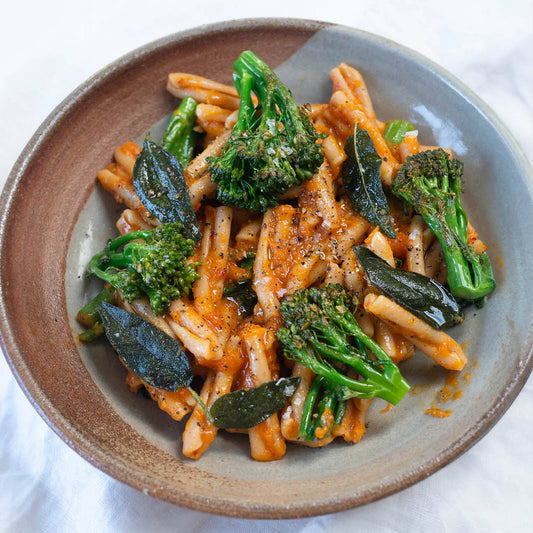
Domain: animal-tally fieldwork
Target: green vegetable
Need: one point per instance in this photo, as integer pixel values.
(179, 137)
(88, 314)
(422, 296)
(431, 182)
(395, 131)
(242, 292)
(92, 333)
(272, 146)
(159, 182)
(322, 395)
(362, 180)
(245, 408)
(89, 317)
(148, 262)
(320, 323)
(148, 352)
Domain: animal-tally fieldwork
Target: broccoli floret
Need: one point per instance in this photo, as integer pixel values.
(431, 183)
(321, 332)
(273, 145)
(150, 262)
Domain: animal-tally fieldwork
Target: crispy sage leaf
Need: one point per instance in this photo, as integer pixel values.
(422, 296)
(159, 182)
(147, 351)
(243, 294)
(245, 408)
(362, 181)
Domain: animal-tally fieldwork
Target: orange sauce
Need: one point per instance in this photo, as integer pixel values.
(387, 409)
(436, 412)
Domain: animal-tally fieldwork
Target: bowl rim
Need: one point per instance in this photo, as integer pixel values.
(122, 471)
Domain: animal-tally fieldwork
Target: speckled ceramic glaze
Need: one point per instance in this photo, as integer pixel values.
(52, 203)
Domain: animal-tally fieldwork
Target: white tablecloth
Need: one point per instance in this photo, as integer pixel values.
(48, 48)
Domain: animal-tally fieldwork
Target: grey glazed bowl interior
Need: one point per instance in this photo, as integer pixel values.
(80, 392)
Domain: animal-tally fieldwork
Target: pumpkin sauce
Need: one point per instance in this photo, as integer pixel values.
(451, 391)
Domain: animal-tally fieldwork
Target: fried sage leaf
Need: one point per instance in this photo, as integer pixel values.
(424, 297)
(159, 182)
(245, 408)
(362, 180)
(242, 291)
(148, 352)
(243, 294)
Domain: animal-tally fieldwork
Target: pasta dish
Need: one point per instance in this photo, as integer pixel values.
(275, 263)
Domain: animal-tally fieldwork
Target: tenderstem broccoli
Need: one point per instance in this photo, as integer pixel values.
(148, 262)
(179, 136)
(431, 183)
(323, 409)
(273, 145)
(322, 334)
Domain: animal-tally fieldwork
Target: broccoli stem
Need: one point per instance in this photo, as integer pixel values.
(88, 315)
(310, 401)
(246, 116)
(322, 368)
(332, 399)
(326, 402)
(91, 334)
(179, 136)
(469, 275)
(263, 79)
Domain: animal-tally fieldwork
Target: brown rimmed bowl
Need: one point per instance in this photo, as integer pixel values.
(51, 203)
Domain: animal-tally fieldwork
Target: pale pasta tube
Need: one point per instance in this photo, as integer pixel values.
(130, 220)
(212, 120)
(123, 191)
(334, 274)
(352, 427)
(435, 344)
(207, 290)
(265, 284)
(350, 81)
(415, 248)
(354, 114)
(198, 166)
(266, 440)
(434, 260)
(291, 416)
(142, 308)
(126, 155)
(194, 332)
(177, 404)
(321, 186)
(409, 146)
(202, 90)
(199, 432)
(378, 243)
(334, 153)
(354, 279)
(196, 175)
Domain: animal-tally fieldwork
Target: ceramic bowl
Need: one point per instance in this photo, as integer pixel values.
(51, 203)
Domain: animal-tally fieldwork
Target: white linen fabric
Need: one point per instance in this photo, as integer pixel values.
(51, 47)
